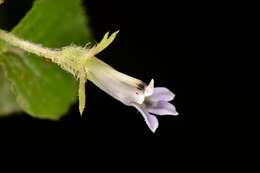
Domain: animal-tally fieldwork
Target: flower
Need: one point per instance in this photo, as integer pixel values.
(149, 101)
(156, 102)
(82, 63)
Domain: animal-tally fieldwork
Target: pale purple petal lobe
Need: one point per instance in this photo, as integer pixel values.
(149, 89)
(150, 120)
(162, 94)
(162, 108)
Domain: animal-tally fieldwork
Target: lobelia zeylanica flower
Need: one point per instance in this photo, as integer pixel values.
(82, 63)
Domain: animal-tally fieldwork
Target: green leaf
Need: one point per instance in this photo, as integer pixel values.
(42, 88)
(8, 103)
(2, 47)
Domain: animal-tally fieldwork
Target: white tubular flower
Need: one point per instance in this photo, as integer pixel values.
(149, 101)
(82, 63)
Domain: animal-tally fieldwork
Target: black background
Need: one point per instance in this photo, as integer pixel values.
(197, 49)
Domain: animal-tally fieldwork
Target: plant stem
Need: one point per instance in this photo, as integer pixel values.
(27, 46)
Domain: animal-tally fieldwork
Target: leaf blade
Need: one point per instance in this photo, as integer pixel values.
(44, 90)
(8, 103)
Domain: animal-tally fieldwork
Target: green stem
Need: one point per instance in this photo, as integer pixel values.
(27, 46)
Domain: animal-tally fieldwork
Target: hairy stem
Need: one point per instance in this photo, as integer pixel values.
(27, 46)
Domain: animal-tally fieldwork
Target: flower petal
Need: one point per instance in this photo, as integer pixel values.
(150, 119)
(161, 94)
(149, 89)
(162, 108)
